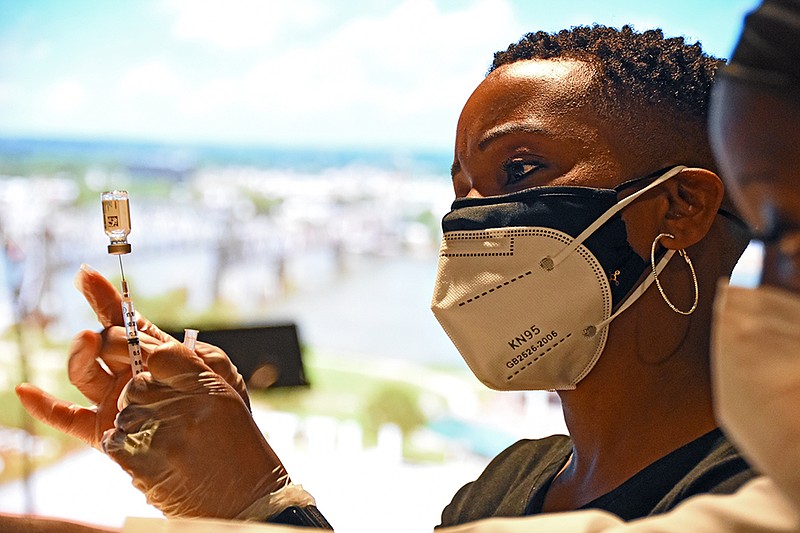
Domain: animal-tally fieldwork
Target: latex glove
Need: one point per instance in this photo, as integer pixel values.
(99, 366)
(189, 442)
(106, 301)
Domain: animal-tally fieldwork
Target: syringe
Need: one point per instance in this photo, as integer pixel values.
(131, 331)
(117, 223)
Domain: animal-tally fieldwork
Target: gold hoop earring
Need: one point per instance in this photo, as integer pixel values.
(685, 256)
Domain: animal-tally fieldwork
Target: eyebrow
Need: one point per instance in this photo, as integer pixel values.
(505, 129)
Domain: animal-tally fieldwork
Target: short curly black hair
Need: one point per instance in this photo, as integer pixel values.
(640, 75)
(644, 65)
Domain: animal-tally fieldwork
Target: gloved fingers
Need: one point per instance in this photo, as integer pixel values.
(133, 418)
(149, 453)
(114, 351)
(121, 445)
(94, 379)
(221, 364)
(103, 297)
(183, 463)
(145, 326)
(143, 390)
(80, 422)
(186, 437)
(217, 360)
(115, 346)
(173, 359)
(106, 302)
(99, 364)
(140, 416)
(165, 382)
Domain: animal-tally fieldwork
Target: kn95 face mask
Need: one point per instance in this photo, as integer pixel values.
(527, 282)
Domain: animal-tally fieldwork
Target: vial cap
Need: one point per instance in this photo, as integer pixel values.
(119, 248)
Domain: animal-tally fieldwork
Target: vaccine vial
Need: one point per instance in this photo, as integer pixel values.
(117, 221)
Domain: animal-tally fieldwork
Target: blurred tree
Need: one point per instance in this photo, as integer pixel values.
(396, 404)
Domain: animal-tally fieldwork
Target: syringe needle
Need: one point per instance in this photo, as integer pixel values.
(121, 270)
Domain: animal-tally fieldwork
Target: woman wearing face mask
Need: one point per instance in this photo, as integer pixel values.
(582, 255)
(756, 348)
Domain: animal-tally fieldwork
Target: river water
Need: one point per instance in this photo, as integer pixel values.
(356, 305)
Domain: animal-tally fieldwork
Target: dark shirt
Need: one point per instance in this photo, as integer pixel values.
(516, 481)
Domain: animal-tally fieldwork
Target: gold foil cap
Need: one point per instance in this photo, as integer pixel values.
(119, 248)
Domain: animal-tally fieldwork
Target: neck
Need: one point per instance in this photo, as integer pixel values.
(632, 409)
(636, 421)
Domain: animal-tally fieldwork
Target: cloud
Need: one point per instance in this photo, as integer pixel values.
(239, 24)
(406, 73)
(392, 71)
(218, 95)
(290, 72)
(67, 96)
(154, 77)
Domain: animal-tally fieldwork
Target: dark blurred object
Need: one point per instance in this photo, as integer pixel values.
(267, 356)
(768, 51)
(755, 108)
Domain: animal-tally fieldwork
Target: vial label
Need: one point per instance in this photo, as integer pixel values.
(117, 217)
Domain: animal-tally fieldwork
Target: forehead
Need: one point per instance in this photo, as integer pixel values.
(561, 79)
(551, 95)
(544, 108)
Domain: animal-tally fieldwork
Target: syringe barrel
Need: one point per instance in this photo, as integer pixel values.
(135, 353)
(132, 333)
(129, 315)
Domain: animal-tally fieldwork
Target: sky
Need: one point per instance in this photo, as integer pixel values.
(323, 73)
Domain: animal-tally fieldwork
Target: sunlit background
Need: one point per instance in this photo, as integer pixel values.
(287, 163)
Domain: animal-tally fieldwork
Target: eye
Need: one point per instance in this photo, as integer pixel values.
(518, 169)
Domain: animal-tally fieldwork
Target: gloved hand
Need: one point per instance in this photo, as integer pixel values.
(189, 442)
(99, 366)
(106, 302)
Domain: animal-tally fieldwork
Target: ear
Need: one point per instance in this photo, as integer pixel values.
(693, 198)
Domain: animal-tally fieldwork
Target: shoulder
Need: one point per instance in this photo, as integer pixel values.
(531, 453)
(722, 470)
(505, 486)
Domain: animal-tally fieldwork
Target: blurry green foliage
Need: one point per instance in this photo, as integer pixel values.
(393, 403)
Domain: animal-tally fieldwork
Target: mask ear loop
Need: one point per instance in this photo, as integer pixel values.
(549, 263)
(591, 331)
